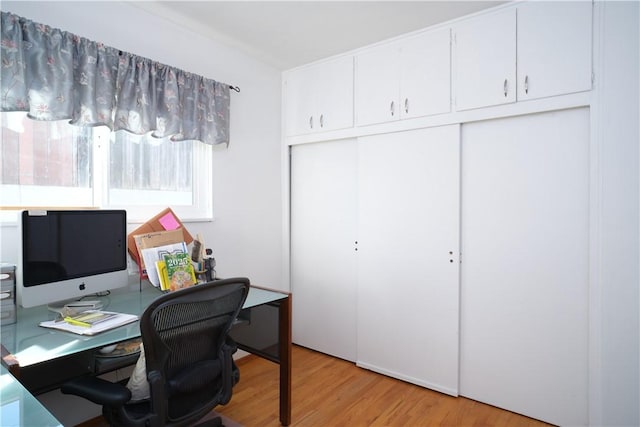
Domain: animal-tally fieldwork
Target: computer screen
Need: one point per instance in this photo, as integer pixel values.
(70, 254)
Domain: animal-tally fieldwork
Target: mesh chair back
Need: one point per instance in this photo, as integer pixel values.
(187, 347)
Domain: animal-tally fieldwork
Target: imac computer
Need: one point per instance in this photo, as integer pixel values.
(70, 254)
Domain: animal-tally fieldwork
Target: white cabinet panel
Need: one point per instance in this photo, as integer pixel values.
(320, 97)
(524, 271)
(377, 85)
(425, 74)
(334, 90)
(554, 48)
(408, 271)
(404, 79)
(485, 63)
(300, 101)
(323, 233)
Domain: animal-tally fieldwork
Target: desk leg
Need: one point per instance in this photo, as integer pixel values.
(285, 361)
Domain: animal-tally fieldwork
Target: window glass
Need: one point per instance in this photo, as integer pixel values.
(37, 154)
(144, 170)
(52, 164)
(146, 163)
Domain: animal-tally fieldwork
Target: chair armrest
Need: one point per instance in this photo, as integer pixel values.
(98, 390)
(158, 398)
(230, 373)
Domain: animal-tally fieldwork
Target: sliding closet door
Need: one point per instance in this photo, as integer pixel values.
(524, 271)
(323, 230)
(408, 245)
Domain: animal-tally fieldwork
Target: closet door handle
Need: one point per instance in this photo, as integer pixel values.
(393, 108)
(505, 88)
(406, 105)
(321, 120)
(310, 122)
(526, 84)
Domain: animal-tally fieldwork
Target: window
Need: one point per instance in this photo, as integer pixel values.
(45, 163)
(54, 164)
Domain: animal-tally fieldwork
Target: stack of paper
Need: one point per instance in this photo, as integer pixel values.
(102, 321)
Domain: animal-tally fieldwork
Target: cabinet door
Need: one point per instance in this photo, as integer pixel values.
(333, 84)
(300, 101)
(320, 97)
(425, 74)
(323, 265)
(525, 272)
(485, 65)
(554, 48)
(377, 87)
(408, 233)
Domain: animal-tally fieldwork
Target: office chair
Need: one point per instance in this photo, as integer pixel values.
(189, 362)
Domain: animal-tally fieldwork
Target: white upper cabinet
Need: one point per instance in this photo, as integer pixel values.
(404, 79)
(320, 97)
(554, 48)
(299, 99)
(485, 60)
(425, 74)
(522, 51)
(534, 50)
(377, 85)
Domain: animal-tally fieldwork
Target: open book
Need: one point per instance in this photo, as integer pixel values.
(90, 322)
(90, 318)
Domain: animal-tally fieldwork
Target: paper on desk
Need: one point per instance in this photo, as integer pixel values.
(119, 320)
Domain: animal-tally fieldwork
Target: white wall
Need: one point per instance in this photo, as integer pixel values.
(246, 234)
(616, 322)
(247, 231)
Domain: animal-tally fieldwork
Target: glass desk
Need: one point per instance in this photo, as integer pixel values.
(33, 353)
(18, 407)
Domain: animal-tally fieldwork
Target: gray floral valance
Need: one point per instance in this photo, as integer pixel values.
(55, 75)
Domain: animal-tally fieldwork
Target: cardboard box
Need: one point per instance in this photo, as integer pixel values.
(164, 221)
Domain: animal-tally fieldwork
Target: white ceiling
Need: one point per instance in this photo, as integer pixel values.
(287, 34)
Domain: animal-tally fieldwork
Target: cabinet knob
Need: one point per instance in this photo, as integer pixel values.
(406, 105)
(526, 84)
(311, 122)
(393, 108)
(505, 88)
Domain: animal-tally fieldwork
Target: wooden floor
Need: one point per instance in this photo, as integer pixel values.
(332, 392)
